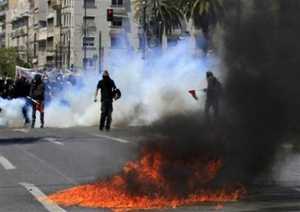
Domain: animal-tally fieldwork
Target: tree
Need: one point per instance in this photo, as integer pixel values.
(203, 13)
(8, 61)
(161, 16)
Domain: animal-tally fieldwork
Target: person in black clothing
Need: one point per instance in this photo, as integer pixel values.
(22, 90)
(37, 94)
(213, 93)
(107, 87)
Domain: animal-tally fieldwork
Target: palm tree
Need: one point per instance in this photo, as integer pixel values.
(203, 13)
(160, 16)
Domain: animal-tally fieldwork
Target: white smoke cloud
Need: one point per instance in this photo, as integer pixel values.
(150, 88)
(11, 112)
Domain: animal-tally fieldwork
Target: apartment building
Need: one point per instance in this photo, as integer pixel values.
(39, 16)
(87, 36)
(68, 33)
(3, 19)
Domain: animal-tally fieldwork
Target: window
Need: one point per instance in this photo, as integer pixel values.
(42, 45)
(117, 41)
(88, 62)
(89, 3)
(51, 22)
(117, 22)
(43, 23)
(90, 20)
(88, 41)
(117, 3)
(50, 44)
(90, 25)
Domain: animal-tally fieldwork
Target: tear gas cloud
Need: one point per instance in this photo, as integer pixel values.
(150, 88)
(11, 112)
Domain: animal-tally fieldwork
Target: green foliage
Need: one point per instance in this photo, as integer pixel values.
(162, 16)
(8, 61)
(22, 63)
(203, 13)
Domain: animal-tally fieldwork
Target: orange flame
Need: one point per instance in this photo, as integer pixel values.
(142, 185)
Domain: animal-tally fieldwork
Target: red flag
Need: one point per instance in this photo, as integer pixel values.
(193, 93)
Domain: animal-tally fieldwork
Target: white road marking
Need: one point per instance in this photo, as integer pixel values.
(6, 164)
(120, 140)
(22, 130)
(54, 141)
(42, 198)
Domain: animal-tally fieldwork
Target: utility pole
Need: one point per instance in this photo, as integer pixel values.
(144, 28)
(27, 39)
(100, 52)
(85, 35)
(69, 50)
(60, 34)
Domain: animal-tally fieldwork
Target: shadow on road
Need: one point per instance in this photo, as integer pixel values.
(13, 141)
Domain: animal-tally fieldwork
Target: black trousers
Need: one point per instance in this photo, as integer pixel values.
(214, 104)
(106, 112)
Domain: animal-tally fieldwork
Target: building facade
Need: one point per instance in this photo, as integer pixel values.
(3, 20)
(86, 35)
(68, 33)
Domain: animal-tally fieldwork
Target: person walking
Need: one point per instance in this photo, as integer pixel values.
(213, 93)
(22, 90)
(108, 88)
(37, 95)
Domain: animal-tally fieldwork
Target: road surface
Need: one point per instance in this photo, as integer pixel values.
(38, 162)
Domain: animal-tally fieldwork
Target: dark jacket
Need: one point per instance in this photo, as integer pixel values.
(37, 90)
(214, 88)
(22, 88)
(107, 87)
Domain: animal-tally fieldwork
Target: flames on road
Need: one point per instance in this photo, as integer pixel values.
(154, 181)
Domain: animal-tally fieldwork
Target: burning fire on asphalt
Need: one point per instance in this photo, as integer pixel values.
(148, 184)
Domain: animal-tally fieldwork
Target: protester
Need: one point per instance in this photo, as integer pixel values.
(107, 87)
(37, 95)
(213, 93)
(22, 90)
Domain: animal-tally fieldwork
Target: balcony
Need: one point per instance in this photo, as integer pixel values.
(119, 9)
(3, 3)
(50, 52)
(50, 32)
(42, 34)
(2, 14)
(115, 30)
(55, 4)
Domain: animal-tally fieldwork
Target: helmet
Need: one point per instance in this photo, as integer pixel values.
(117, 94)
(209, 74)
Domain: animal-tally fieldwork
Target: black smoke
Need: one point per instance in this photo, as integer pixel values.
(260, 104)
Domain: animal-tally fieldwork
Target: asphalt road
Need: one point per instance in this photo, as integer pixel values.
(38, 162)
